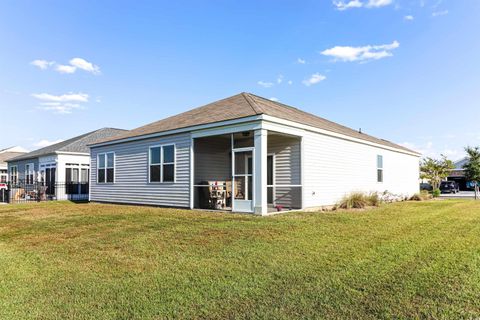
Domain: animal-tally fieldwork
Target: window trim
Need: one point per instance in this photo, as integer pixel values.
(31, 166)
(380, 168)
(161, 146)
(107, 167)
(10, 174)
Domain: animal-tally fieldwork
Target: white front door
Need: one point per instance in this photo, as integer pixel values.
(242, 180)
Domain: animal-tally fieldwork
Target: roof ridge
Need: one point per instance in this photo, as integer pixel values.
(252, 103)
(328, 121)
(5, 149)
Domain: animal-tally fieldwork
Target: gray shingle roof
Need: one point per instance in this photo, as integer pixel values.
(244, 105)
(77, 144)
(4, 156)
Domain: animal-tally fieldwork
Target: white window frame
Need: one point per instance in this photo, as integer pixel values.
(380, 168)
(107, 167)
(31, 170)
(5, 176)
(11, 175)
(162, 163)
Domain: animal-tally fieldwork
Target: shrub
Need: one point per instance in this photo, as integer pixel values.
(373, 199)
(356, 200)
(436, 193)
(422, 196)
(416, 197)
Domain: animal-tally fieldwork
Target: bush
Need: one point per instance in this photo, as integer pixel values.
(373, 199)
(359, 200)
(356, 200)
(422, 196)
(436, 193)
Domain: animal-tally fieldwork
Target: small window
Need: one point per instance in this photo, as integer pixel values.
(155, 164)
(169, 163)
(106, 168)
(379, 168)
(3, 176)
(14, 175)
(162, 164)
(29, 173)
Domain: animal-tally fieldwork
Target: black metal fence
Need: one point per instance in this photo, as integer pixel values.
(40, 191)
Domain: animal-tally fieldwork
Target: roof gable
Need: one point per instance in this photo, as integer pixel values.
(77, 144)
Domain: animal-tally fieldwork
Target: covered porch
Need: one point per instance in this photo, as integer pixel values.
(254, 171)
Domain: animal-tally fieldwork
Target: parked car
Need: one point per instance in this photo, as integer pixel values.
(426, 186)
(449, 187)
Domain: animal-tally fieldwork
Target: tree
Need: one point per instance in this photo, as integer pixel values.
(472, 167)
(435, 170)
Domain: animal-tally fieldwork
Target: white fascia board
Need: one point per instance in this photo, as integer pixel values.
(181, 130)
(73, 153)
(293, 124)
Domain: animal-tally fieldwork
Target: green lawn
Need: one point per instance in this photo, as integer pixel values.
(92, 261)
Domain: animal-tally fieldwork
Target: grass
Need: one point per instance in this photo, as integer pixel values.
(91, 261)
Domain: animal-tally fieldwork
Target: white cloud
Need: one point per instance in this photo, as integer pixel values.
(301, 61)
(341, 5)
(74, 65)
(370, 52)
(280, 79)
(76, 97)
(378, 3)
(265, 84)
(314, 79)
(45, 143)
(62, 104)
(408, 18)
(344, 5)
(42, 64)
(85, 65)
(439, 13)
(65, 68)
(290, 82)
(274, 99)
(59, 107)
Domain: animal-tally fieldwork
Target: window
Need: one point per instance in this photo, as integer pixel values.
(379, 168)
(162, 163)
(106, 167)
(14, 175)
(71, 179)
(29, 173)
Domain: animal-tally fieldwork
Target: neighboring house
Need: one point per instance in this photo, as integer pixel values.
(5, 155)
(458, 175)
(247, 154)
(66, 162)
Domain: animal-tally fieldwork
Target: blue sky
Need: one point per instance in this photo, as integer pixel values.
(404, 70)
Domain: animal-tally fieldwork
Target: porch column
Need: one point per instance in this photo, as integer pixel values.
(260, 179)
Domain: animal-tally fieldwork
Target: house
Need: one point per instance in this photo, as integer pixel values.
(458, 175)
(6, 154)
(57, 166)
(246, 153)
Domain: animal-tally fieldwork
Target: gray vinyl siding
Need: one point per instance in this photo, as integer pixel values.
(131, 174)
(21, 167)
(287, 169)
